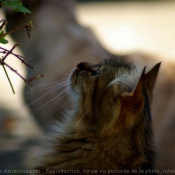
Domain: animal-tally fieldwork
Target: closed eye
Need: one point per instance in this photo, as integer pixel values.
(95, 73)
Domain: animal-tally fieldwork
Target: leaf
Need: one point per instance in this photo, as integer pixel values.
(3, 41)
(2, 34)
(16, 5)
(2, 38)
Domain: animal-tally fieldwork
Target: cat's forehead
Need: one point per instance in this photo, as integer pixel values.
(116, 64)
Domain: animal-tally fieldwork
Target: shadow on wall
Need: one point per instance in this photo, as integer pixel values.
(55, 51)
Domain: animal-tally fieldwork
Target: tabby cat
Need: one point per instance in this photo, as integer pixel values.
(110, 129)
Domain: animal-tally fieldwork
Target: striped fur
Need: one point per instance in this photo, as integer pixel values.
(111, 126)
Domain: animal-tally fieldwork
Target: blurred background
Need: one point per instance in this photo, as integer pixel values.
(66, 33)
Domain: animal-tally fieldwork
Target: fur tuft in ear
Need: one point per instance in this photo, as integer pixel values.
(147, 80)
(125, 83)
(137, 93)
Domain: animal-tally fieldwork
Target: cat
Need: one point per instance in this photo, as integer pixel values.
(110, 129)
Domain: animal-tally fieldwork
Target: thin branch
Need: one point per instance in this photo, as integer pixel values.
(28, 27)
(3, 23)
(8, 78)
(15, 71)
(16, 55)
(30, 80)
(22, 59)
(10, 51)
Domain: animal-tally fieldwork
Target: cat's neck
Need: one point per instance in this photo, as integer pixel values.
(128, 149)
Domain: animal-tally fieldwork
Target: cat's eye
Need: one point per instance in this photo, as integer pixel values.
(95, 73)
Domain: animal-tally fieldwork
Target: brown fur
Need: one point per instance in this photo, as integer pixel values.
(81, 45)
(110, 128)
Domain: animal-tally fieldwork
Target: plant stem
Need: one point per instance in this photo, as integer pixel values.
(10, 51)
(18, 56)
(27, 25)
(8, 78)
(15, 71)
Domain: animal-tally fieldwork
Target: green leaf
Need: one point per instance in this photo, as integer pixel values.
(1, 33)
(16, 5)
(3, 41)
(2, 38)
(1, 1)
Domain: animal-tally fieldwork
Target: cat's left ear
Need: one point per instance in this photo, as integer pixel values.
(150, 79)
(137, 93)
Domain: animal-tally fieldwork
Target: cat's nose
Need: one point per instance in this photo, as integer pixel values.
(85, 66)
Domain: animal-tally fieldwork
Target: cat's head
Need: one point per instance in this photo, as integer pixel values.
(110, 91)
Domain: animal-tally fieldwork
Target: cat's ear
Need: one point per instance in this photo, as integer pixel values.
(137, 93)
(148, 80)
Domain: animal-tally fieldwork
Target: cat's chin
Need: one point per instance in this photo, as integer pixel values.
(73, 78)
(73, 91)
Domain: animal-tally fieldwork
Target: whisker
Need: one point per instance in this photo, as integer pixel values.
(57, 109)
(39, 90)
(49, 92)
(53, 83)
(38, 109)
(47, 84)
